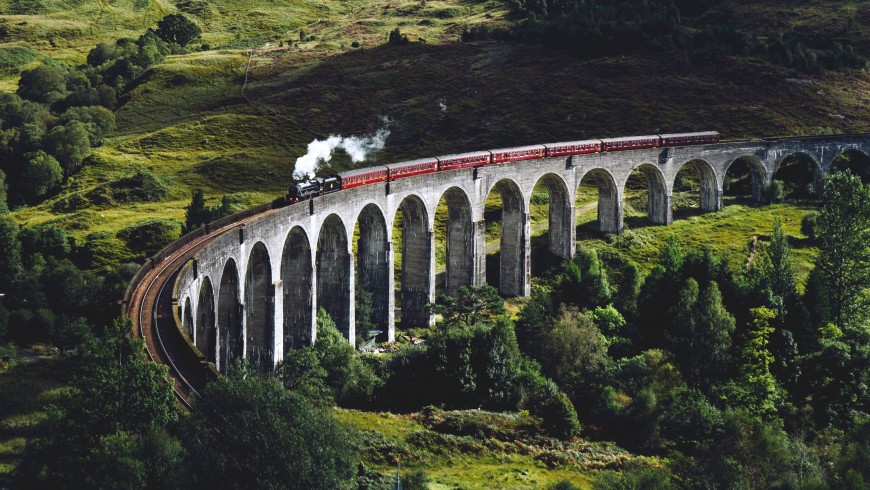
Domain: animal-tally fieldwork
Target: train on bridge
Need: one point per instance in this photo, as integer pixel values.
(307, 189)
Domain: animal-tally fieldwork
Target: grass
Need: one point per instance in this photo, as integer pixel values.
(36, 380)
(476, 449)
(188, 121)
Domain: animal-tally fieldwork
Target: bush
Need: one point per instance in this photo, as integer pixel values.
(178, 29)
(70, 144)
(396, 38)
(142, 186)
(42, 174)
(149, 236)
(554, 408)
(249, 432)
(46, 83)
(777, 191)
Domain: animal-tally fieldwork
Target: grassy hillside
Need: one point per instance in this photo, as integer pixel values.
(189, 121)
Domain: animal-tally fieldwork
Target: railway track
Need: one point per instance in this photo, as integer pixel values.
(150, 306)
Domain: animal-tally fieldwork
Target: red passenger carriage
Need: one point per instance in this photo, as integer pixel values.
(630, 143)
(573, 148)
(362, 176)
(519, 153)
(412, 168)
(464, 160)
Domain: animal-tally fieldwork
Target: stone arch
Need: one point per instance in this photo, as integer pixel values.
(372, 254)
(855, 160)
(260, 309)
(297, 276)
(514, 269)
(334, 272)
(416, 268)
(229, 317)
(757, 174)
(610, 208)
(459, 240)
(560, 236)
(206, 336)
(788, 168)
(709, 196)
(187, 318)
(658, 201)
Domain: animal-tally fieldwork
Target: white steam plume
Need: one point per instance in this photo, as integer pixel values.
(320, 151)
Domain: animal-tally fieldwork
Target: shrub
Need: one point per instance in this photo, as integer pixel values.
(777, 191)
(149, 236)
(142, 186)
(46, 83)
(178, 29)
(396, 38)
(42, 174)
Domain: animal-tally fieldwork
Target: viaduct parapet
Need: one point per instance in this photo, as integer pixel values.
(254, 291)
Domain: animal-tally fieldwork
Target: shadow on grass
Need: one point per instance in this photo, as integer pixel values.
(25, 389)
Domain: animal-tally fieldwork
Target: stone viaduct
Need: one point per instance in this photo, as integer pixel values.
(255, 291)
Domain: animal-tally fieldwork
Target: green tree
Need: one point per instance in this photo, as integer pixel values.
(351, 380)
(98, 121)
(573, 352)
(147, 237)
(248, 431)
(4, 207)
(46, 83)
(91, 438)
(41, 175)
(178, 29)
(699, 334)
(780, 271)
(472, 305)
(843, 235)
(583, 282)
(196, 214)
(757, 390)
(10, 252)
(70, 145)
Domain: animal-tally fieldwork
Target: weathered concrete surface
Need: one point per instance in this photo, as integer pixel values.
(255, 292)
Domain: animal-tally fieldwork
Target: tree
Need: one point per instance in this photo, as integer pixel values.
(178, 29)
(98, 121)
(92, 437)
(843, 232)
(4, 207)
(41, 174)
(699, 334)
(757, 389)
(196, 214)
(10, 252)
(584, 281)
(351, 380)
(473, 304)
(46, 83)
(147, 237)
(70, 145)
(573, 351)
(248, 431)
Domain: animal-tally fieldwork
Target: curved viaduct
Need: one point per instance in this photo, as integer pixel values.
(251, 286)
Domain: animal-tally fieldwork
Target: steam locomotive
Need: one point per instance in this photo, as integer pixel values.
(307, 189)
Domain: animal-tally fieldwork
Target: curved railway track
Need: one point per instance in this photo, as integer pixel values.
(149, 305)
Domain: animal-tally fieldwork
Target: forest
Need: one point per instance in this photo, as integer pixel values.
(729, 378)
